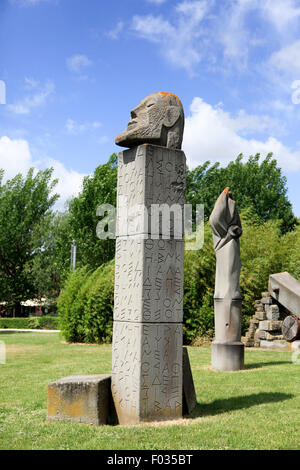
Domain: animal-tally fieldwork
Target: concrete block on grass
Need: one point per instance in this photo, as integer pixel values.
(81, 399)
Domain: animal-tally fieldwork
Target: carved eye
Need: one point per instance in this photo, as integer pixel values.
(149, 105)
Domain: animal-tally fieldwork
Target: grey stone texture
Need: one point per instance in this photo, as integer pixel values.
(150, 175)
(147, 371)
(285, 289)
(148, 280)
(272, 312)
(276, 345)
(227, 349)
(226, 226)
(266, 325)
(269, 325)
(260, 315)
(81, 399)
(227, 356)
(189, 393)
(270, 335)
(158, 119)
(227, 320)
(147, 333)
(266, 300)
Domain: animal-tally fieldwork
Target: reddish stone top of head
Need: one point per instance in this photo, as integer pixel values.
(226, 190)
(164, 94)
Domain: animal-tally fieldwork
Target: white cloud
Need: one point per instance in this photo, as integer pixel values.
(213, 134)
(69, 182)
(33, 101)
(236, 32)
(180, 41)
(115, 32)
(78, 62)
(15, 157)
(221, 33)
(73, 127)
(281, 13)
(287, 59)
(31, 82)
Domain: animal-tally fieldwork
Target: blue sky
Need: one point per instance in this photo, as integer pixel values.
(73, 69)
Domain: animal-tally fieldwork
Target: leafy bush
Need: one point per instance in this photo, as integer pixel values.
(199, 274)
(70, 317)
(85, 305)
(45, 322)
(21, 323)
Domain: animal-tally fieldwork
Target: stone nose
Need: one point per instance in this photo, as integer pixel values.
(133, 113)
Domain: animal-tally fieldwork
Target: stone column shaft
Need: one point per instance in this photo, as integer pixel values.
(147, 333)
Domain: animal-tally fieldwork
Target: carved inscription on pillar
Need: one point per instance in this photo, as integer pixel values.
(148, 280)
(147, 371)
(148, 175)
(147, 333)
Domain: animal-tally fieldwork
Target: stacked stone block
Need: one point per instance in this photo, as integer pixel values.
(265, 325)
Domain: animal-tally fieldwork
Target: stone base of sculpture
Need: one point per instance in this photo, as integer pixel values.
(227, 349)
(227, 356)
(81, 399)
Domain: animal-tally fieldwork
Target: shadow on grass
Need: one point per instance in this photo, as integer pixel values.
(237, 403)
(256, 365)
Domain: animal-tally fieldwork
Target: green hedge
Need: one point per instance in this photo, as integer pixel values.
(46, 322)
(85, 305)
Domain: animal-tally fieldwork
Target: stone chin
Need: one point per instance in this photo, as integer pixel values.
(137, 135)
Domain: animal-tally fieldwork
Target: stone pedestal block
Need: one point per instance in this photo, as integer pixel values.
(81, 399)
(227, 356)
(147, 371)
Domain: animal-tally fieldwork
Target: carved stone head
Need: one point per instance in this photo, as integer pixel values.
(158, 119)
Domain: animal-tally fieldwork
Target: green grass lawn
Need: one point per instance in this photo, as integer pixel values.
(257, 408)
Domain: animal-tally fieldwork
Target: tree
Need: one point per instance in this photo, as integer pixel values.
(51, 244)
(24, 203)
(100, 188)
(255, 184)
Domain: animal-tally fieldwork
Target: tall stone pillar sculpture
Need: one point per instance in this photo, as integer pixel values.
(227, 348)
(147, 331)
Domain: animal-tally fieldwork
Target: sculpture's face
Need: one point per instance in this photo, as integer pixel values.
(151, 119)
